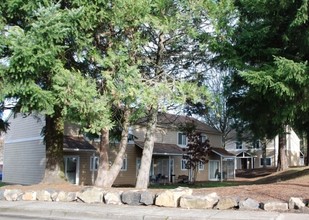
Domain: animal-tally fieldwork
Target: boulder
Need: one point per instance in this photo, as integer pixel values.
(131, 197)
(227, 203)
(43, 195)
(91, 195)
(170, 198)
(29, 196)
(147, 198)
(296, 203)
(249, 204)
(12, 194)
(66, 196)
(199, 202)
(275, 206)
(1, 194)
(113, 198)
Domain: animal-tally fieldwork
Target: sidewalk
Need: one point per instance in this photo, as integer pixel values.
(59, 210)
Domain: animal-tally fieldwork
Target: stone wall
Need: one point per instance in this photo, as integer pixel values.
(180, 197)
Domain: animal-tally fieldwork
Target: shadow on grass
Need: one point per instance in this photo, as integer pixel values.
(283, 176)
(263, 178)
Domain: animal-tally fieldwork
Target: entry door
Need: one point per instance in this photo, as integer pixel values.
(214, 169)
(71, 168)
(165, 166)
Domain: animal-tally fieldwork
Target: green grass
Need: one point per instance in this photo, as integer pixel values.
(196, 185)
(2, 184)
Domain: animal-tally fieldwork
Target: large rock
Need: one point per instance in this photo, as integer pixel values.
(296, 203)
(249, 204)
(227, 203)
(275, 206)
(66, 196)
(113, 198)
(170, 198)
(2, 194)
(29, 196)
(44, 195)
(12, 194)
(147, 198)
(131, 197)
(91, 195)
(199, 202)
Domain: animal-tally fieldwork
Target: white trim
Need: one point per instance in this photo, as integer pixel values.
(77, 166)
(185, 160)
(262, 159)
(94, 165)
(201, 166)
(209, 171)
(23, 140)
(182, 145)
(125, 164)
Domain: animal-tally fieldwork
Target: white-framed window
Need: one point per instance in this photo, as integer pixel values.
(182, 139)
(201, 166)
(203, 138)
(94, 163)
(184, 164)
(256, 144)
(267, 161)
(238, 144)
(124, 164)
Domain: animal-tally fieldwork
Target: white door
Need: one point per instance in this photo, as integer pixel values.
(214, 170)
(71, 169)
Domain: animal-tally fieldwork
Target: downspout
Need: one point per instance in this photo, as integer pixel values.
(93, 166)
(169, 169)
(221, 170)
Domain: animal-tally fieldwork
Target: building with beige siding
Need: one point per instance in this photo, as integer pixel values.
(251, 154)
(168, 163)
(24, 143)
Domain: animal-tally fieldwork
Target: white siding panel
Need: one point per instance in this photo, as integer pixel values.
(24, 162)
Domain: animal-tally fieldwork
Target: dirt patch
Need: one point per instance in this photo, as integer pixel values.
(273, 186)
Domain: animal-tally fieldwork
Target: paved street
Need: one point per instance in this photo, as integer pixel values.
(70, 211)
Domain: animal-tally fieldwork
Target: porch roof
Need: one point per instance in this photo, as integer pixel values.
(71, 143)
(244, 154)
(163, 149)
(222, 152)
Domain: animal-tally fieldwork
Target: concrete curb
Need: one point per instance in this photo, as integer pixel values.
(65, 210)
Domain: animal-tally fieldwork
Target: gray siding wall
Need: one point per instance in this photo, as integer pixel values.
(24, 162)
(24, 151)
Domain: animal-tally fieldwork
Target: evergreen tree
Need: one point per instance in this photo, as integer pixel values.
(268, 50)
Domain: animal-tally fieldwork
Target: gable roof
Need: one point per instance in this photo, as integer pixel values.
(163, 149)
(71, 143)
(175, 121)
(222, 152)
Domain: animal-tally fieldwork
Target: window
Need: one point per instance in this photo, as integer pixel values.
(203, 138)
(184, 164)
(256, 144)
(124, 164)
(201, 165)
(238, 144)
(94, 163)
(267, 161)
(182, 139)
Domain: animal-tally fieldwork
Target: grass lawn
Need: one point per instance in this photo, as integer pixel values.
(196, 185)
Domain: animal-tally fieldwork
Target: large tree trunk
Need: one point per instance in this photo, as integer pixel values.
(282, 158)
(106, 174)
(264, 147)
(143, 174)
(307, 155)
(54, 128)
